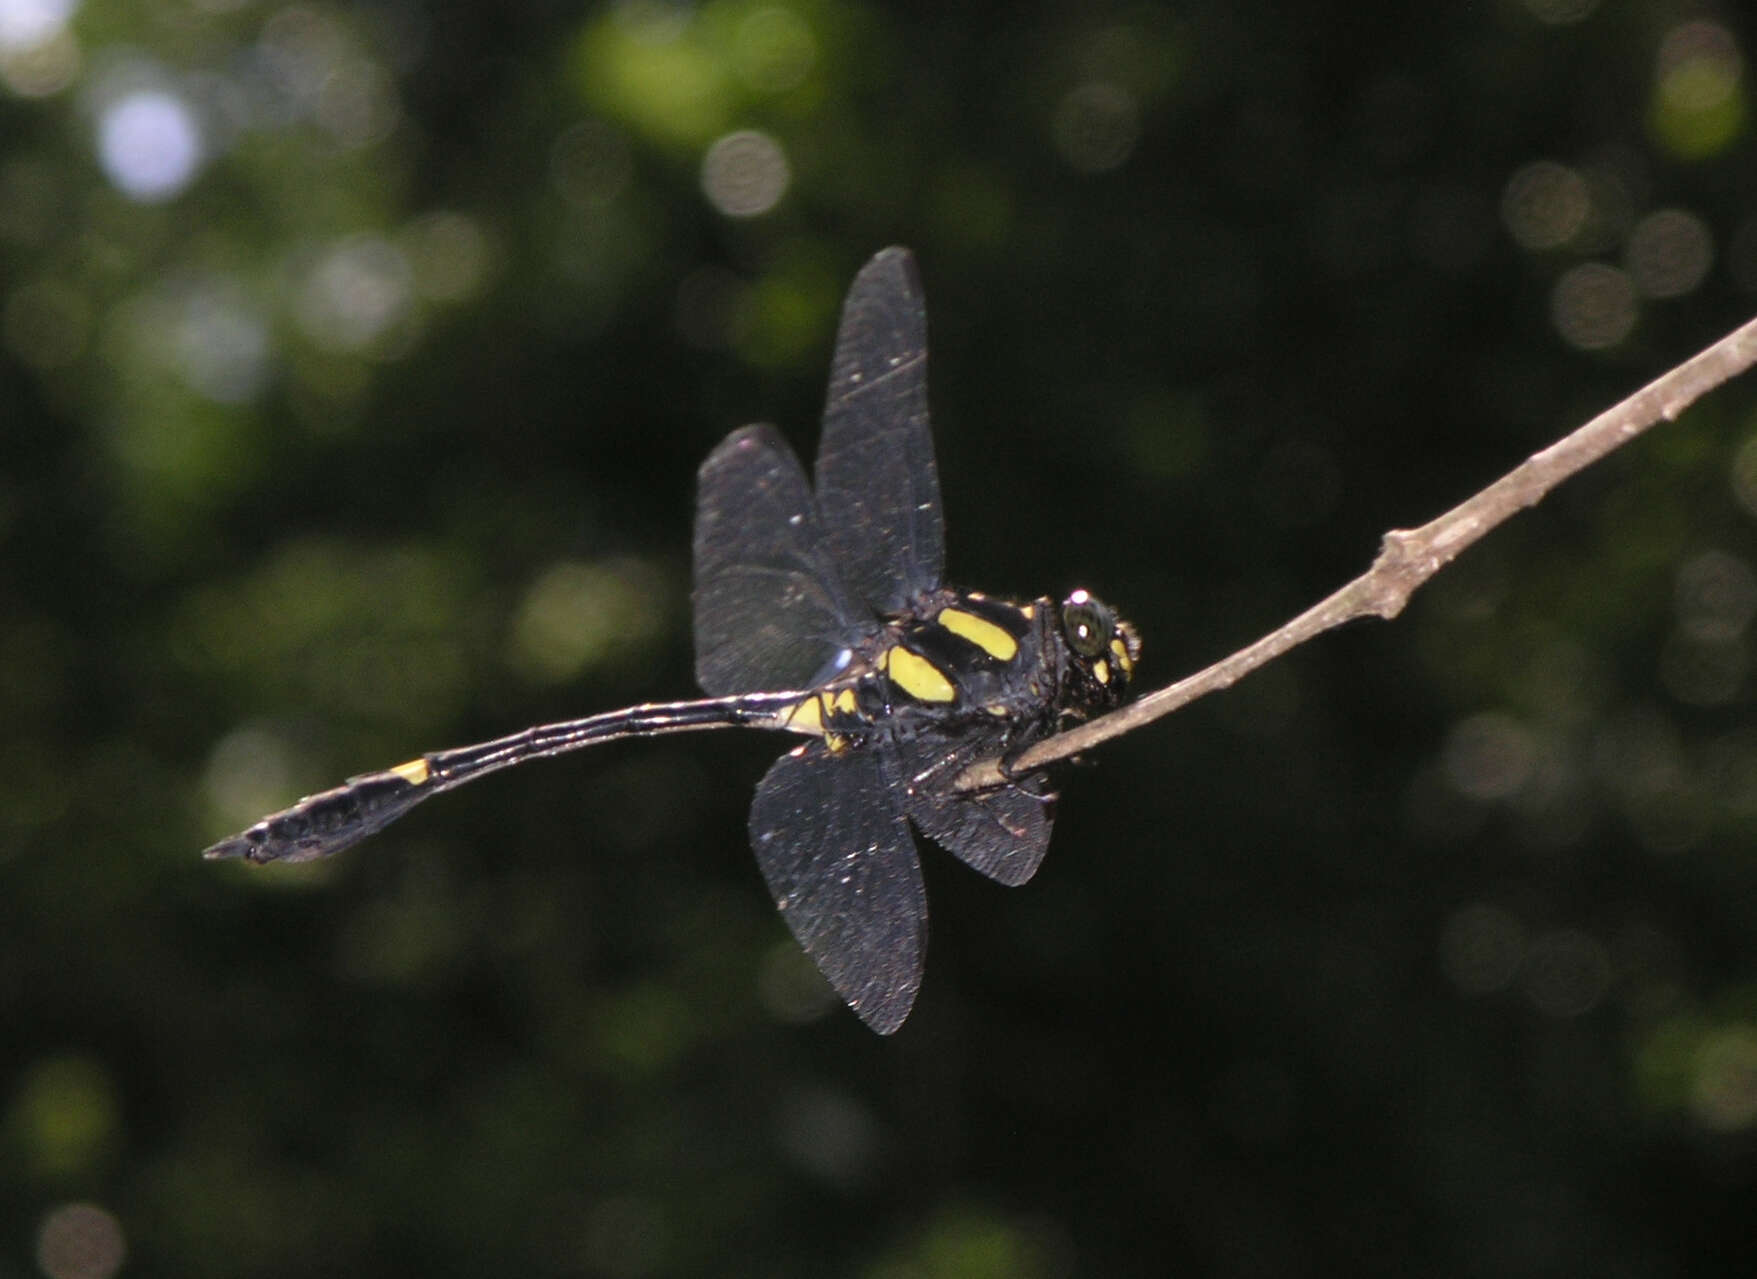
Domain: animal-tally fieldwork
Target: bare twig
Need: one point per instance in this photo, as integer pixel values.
(1409, 557)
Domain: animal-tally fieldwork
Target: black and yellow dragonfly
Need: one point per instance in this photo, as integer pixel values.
(819, 610)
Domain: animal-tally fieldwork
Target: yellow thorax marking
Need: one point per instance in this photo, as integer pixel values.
(1122, 655)
(1101, 671)
(981, 632)
(414, 772)
(844, 701)
(917, 676)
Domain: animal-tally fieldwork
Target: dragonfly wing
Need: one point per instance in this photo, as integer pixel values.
(840, 863)
(1003, 833)
(770, 609)
(877, 485)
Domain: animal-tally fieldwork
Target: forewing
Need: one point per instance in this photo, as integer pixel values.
(840, 862)
(877, 485)
(1003, 833)
(770, 609)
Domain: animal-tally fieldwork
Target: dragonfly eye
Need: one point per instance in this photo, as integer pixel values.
(1087, 625)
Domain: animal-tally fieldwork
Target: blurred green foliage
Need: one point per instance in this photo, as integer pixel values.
(355, 360)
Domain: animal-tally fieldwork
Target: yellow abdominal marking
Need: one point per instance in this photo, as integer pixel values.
(917, 676)
(807, 716)
(981, 632)
(414, 772)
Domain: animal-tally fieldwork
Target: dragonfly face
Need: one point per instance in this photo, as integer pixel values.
(819, 610)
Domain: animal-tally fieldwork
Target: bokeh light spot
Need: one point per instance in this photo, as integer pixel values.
(1723, 1092)
(774, 50)
(41, 69)
(1481, 949)
(357, 103)
(63, 1115)
(299, 49)
(341, 631)
(791, 987)
(776, 319)
(149, 144)
(1544, 204)
(578, 616)
(1715, 595)
(249, 773)
(1489, 756)
(974, 1244)
(1555, 808)
(1698, 105)
(27, 24)
(450, 254)
(829, 1135)
(222, 343)
(642, 65)
(1669, 253)
(80, 1241)
(1704, 662)
(1593, 306)
(745, 174)
(1095, 127)
(355, 293)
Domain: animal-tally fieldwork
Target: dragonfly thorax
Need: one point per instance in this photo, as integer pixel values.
(960, 660)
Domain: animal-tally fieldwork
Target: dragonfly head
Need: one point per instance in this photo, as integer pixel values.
(1102, 650)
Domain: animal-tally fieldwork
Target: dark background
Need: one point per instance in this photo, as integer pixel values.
(1430, 950)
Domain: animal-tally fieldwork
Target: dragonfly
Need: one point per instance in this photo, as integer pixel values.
(820, 611)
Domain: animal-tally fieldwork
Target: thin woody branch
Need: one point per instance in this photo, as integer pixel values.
(1409, 557)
